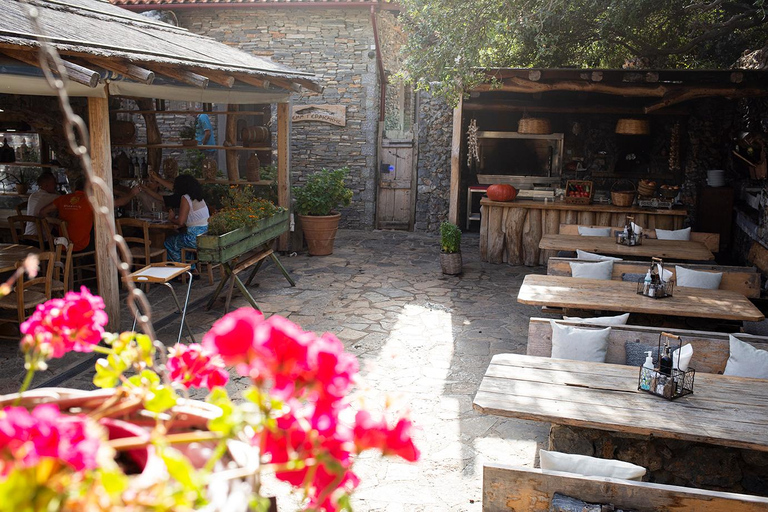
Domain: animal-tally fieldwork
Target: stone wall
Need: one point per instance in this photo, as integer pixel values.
(335, 44)
(434, 163)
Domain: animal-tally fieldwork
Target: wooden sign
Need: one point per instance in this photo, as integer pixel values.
(331, 114)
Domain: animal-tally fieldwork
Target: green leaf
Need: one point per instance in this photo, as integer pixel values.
(160, 398)
(181, 469)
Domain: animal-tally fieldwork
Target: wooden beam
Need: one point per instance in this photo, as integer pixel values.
(221, 78)
(453, 198)
(572, 109)
(283, 164)
(132, 71)
(187, 77)
(101, 157)
(690, 94)
(230, 139)
(75, 72)
(515, 84)
(252, 80)
(285, 84)
(308, 84)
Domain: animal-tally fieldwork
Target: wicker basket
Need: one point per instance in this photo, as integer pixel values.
(623, 197)
(633, 127)
(576, 186)
(451, 263)
(646, 190)
(534, 126)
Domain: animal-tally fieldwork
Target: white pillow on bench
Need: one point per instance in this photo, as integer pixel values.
(677, 234)
(587, 231)
(600, 320)
(746, 361)
(589, 466)
(592, 256)
(697, 279)
(579, 344)
(597, 270)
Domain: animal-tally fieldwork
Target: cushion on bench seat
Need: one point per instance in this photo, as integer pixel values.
(579, 344)
(746, 361)
(592, 256)
(600, 320)
(588, 231)
(589, 466)
(592, 270)
(677, 234)
(697, 279)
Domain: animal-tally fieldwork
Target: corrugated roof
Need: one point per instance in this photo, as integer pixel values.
(97, 28)
(160, 3)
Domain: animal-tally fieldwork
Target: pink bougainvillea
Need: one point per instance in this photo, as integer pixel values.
(74, 323)
(193, 366)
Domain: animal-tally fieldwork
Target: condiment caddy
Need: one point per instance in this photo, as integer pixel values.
(631, 235)
(671, 378)
(656, 284)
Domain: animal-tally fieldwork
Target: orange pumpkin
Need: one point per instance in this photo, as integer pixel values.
(501, 192)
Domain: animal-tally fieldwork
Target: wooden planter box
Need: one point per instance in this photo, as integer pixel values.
(222, 248)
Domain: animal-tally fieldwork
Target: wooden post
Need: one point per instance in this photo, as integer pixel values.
(233, 170)
(154, 155)
(284, 164)
(453, 198)
(101, 156)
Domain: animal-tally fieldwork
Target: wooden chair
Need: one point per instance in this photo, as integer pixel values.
(18, 224)
(189, 255)
(62, 267)
(24, 297)
(21, 208)
(81, 262)
(141, 246)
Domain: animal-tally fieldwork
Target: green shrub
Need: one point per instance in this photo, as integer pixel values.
(450, 237)
(240, 208)
(323, 192)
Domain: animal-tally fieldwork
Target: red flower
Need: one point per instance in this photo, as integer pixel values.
(232, 335)
(370, 433)
(192, 365)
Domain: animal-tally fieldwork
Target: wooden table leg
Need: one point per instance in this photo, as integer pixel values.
(282, 268)
(225, 277)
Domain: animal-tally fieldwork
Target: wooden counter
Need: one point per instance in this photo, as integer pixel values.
(510, 231)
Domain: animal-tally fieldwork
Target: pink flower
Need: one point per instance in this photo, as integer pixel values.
(232, 335)
(58, 326)
(26, 437)
(370, 433)
(192, 365)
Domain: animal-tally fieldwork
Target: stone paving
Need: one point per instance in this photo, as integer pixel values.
(424, 341)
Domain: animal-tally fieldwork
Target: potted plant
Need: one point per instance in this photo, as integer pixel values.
(316, 204)
(450, 248)
(23, 177)
(140, 444)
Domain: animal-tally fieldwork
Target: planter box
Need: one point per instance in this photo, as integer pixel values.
(222, 248)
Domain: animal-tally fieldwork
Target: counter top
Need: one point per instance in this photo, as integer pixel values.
(594, 207)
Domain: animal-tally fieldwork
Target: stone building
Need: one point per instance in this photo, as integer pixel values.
(399, 162)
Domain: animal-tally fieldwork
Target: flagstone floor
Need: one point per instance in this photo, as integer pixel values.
(423, 339)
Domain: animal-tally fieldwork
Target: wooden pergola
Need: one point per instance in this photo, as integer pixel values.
(109, 51)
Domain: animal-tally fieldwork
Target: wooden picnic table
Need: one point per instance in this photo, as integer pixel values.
(621, 296)
(10, 254)
(651, 247)
(723, 410)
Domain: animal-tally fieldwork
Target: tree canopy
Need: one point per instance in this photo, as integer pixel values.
(449, 39)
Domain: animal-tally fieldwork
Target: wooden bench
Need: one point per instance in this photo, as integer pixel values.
(744, 280)
(711, 240)
(710, 349)
(507, 489)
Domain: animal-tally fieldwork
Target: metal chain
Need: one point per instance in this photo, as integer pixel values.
(56, 76)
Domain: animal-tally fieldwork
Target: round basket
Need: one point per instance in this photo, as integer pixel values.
(534, 126)
(623, 197)
(633, 127)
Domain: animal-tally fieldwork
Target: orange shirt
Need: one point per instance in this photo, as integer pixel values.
(76, 210)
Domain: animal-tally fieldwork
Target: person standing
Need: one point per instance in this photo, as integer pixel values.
(40, 198)
(204, 133)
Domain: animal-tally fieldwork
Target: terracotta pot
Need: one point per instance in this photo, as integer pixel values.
(22, 188)
(320, 232)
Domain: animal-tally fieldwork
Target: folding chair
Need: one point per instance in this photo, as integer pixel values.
(163, 273)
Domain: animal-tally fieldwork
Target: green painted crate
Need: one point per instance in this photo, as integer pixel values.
(221, 248)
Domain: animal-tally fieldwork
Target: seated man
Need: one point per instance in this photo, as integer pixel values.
(41, 198)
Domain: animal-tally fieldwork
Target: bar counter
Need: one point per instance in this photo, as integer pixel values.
(510, 231)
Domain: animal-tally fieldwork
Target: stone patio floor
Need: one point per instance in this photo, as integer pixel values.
(424, 341)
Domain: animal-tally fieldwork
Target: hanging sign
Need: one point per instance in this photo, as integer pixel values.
(331, 114)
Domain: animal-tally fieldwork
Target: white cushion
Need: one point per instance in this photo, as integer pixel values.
(697, 278)
(589, 466)
(587, 231)
(598, 270)
(591, 256)
(579, 344)
(600, 320)
(746, 361)
(678, 234)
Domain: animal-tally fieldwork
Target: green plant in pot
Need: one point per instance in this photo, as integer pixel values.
(450, 248)
(316, 203)
(23, 177)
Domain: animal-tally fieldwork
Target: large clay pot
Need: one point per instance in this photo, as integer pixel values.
(320, 232)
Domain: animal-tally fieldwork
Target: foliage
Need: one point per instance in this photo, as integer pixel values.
(449, 39)
(296, 417)
(187, 132)
(268, 192)
(323, 192)
(22, 175)
(240, 208)
(450, 237)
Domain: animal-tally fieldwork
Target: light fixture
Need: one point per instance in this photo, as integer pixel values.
(633, 127)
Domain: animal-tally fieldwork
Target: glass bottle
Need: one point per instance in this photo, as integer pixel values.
(665, 362)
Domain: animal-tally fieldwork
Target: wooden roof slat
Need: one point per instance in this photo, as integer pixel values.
(76, 72)
(182, 75)
(132, 71)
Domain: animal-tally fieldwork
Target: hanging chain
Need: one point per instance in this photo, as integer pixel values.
(472, 155)
(75, 129)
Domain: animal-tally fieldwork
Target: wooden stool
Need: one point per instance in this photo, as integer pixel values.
(186, 252)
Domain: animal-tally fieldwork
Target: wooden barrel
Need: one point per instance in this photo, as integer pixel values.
(122, 132)
(254, 134)
(253, 171)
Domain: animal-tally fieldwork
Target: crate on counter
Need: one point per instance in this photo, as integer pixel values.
(579, 191)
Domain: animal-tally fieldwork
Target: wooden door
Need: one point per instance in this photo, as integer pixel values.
(397, 180)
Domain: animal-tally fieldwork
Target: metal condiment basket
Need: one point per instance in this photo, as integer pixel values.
(678, 383)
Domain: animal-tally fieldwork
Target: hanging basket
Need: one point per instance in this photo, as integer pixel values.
(633, 127)
(534, 126)
(623, 198)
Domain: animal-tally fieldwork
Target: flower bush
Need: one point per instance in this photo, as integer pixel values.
(241, 208)
(297, 414)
